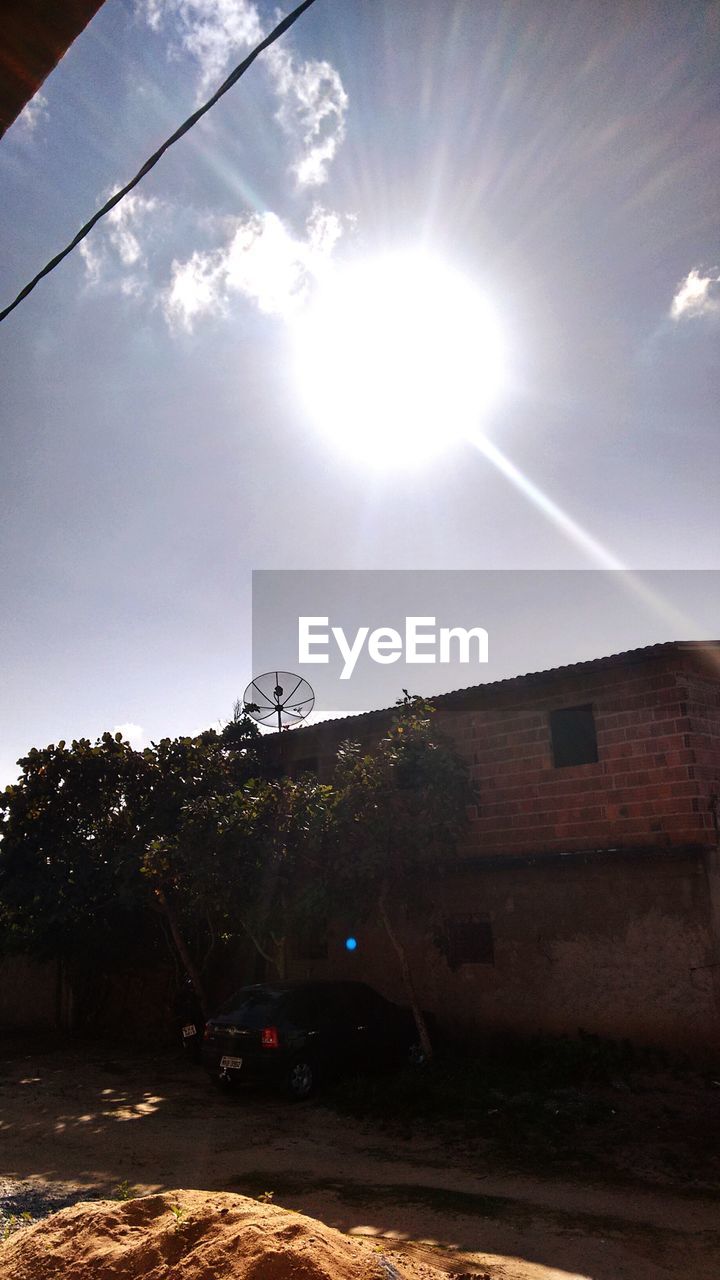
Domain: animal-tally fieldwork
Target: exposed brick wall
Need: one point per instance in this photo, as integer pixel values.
(658, 734)
(703, 708)
(642, 790)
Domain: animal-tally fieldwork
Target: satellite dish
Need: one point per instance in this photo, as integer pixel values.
(278, 697)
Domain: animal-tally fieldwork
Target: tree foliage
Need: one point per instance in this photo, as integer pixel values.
(70, 853)
(90, 852)
(398, 813)
(99, 842)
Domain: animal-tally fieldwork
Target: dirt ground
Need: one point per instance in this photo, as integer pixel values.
(96, 1123)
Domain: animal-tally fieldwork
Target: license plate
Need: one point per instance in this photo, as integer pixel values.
(189, 1030)
(230, 1064)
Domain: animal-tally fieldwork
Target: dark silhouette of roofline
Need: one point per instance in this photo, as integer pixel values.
(475, 693)
(35, 35)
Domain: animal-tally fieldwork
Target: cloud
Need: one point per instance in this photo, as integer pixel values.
(312, 100)
(34, 113)
(213, 31)
(262, 258)
(132, 733)
(312, 111)
(113, 253)
(696, 295)
(122, 222)
(262, 261)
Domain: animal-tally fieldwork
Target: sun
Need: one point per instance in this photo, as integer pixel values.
(397, 357)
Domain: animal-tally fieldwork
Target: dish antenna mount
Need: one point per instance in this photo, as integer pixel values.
(279, 698)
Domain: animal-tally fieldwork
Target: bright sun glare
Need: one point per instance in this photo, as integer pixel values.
(397, 357)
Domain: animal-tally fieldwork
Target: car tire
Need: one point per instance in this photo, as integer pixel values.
(301, 1079)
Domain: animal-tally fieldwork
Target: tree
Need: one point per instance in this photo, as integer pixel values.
(398, 813)
(189, 787)
(70, 886)
(92, 841)
(251, 859)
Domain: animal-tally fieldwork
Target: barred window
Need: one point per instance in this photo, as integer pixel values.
(468, 940)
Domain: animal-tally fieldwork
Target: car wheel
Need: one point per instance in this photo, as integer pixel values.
(301, 1079)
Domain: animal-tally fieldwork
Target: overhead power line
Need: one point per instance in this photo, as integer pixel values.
(184, 128)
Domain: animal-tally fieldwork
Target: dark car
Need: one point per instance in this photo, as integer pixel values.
(295, 1034)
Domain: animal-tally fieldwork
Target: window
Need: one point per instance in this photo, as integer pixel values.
(574, 741)
(468, 940)
(308, 764)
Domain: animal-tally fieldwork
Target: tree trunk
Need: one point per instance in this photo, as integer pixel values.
(280, 958)
(189, 964)
(252, 935)
(420, 1022)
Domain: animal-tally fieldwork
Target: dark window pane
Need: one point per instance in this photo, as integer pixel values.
(574, 741)
(251, 1008)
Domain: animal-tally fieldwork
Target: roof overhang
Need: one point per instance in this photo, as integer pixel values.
(35, 35)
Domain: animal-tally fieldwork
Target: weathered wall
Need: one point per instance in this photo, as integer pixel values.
(619, 946)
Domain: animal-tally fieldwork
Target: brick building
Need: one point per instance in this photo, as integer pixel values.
(588, 892)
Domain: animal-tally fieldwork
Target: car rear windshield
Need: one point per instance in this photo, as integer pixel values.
(251, 1007)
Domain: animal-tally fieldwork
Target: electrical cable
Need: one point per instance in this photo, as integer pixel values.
(235, 75)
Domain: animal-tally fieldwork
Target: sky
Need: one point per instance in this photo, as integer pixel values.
(159, 438)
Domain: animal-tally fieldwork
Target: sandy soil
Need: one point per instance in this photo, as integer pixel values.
(83, 1125)
(195, 1235)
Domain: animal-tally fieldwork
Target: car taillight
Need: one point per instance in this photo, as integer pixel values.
(269, 1038)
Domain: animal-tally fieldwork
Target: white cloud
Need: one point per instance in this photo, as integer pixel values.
(312, 100)
(213, 31)
(33, 113)
(696, 295)
(312, 111)
(113, 253)
(122, 222)
(132, 733)
(262, 261)
(196, 289)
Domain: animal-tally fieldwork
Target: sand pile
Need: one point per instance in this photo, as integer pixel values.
(195, 1235)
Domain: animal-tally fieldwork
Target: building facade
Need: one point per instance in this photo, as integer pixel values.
(587, 891)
